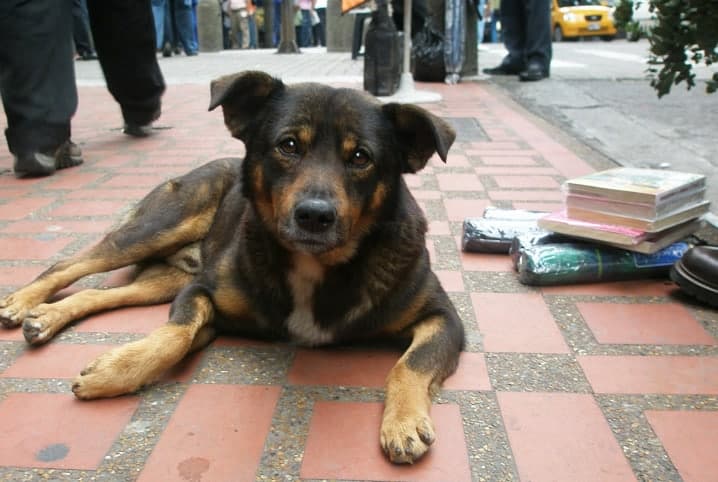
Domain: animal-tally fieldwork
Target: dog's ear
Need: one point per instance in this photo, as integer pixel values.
(420, 134)
(242, 96)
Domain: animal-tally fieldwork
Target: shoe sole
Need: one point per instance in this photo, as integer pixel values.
(693, 286)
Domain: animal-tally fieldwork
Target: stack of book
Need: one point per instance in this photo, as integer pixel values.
(640, 210)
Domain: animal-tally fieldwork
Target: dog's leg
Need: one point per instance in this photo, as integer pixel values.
(158, 283)
(127, 368)
(406, 428)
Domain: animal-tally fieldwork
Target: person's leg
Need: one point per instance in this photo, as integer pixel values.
(322, 12)
(158, 14)
(37, 82)
(481, 22)
(183, 22)
(537, 46)
(125, 42)
(305, 29)
(81, 30)
(244, 30)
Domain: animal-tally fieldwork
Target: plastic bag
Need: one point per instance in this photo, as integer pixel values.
(569, 263)
(496, 230)
(427, 54)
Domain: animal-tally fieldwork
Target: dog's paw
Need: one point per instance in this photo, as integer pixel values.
(42, 322)
(109, 375)
(13, 311)
(406, 437)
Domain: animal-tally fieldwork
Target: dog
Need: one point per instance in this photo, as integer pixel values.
(313, 237)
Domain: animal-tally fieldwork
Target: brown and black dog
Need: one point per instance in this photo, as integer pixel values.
(313, 237)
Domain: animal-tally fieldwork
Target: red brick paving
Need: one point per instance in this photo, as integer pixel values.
(690, 439)
(51, 429)
(512, 322)
(628, 338)
(655, 374)
(562, 436)
(216, 433)
(342, 443)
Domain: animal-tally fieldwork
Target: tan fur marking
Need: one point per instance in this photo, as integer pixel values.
(127, 368)
(408, 316)
(156, 284)
(227, 298)
(406, 428)
(303, 279)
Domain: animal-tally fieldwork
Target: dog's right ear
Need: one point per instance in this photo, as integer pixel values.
(242, 96)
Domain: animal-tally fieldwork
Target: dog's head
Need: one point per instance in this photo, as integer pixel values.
(324, 165)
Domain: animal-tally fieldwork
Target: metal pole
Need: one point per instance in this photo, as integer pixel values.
(407, 37)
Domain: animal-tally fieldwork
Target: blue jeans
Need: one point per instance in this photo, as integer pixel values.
(305, 29)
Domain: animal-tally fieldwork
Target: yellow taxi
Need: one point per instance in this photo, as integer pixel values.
(571, 19)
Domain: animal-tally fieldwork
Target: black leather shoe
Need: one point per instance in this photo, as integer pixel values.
(696, 273)
(136, 130)
(37, 164)
(503, 69)
(533, 72)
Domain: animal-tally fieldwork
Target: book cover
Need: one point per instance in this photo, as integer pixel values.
(618, 236)
(648, 225)
(649, 186)
(648, 211)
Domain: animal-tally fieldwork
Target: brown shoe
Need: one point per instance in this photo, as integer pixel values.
(37, 164)
(696, 273)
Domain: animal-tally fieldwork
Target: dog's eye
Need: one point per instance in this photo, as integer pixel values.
(360, 158)
(288, 146)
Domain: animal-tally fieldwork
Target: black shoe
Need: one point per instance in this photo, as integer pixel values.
(167, 50)
(696, 273)
(533, 72)
(88, 56)
(504, 69)
(39, 164)
(137, 130)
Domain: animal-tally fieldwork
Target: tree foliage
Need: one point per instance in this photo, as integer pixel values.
(685, 34)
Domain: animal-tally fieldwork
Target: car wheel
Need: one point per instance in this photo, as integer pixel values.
(557, 34)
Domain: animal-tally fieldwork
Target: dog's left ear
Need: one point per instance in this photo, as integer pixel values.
(420, 134)
(242, 96)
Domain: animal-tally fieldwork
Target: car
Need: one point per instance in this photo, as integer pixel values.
(572, 19)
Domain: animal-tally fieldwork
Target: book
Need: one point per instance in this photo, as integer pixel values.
(649, 225)
(631, 239)
(651, 211)
(629, 184)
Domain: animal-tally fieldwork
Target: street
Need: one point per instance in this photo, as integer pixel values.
(599, 94)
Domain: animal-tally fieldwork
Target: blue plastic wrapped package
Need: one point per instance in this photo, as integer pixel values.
(570, 263)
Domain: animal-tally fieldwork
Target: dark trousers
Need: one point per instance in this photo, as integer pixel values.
(81, 27)
(526, 31)
(124, 33)
(37, 70)
(37, 73)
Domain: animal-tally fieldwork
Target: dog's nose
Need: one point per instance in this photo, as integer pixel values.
(315, 215)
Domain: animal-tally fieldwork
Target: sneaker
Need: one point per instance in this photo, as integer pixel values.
(37, 164)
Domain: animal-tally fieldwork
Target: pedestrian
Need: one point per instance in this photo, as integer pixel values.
(37, 76)
(526, 31)
(305, 22)
(173, 27)
(320, 29)
(239, 20)
(81, 31)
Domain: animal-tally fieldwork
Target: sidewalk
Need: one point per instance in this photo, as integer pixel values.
(600, 382)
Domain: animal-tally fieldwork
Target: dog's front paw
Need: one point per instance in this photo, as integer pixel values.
(109, 375)
(406, 436)
(13, 311)
(42, 322)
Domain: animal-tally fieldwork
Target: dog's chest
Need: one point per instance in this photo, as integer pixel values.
(301, 324)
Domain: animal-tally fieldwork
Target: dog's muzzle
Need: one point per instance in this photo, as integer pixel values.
(315, 215)
(313, 226)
